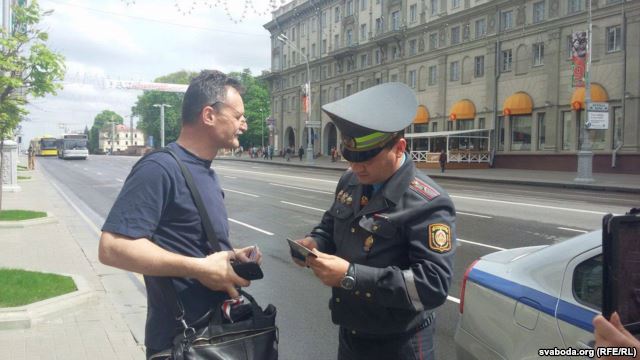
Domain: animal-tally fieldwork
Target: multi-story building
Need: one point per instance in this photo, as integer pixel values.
(501, 65)
(123, 139)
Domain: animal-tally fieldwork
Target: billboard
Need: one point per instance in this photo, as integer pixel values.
(578, 57)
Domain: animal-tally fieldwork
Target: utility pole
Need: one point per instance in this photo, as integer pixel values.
(262, 128)
(161, 106)
(585, 155)
(131, 129)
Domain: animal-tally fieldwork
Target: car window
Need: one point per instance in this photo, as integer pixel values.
(587, 282)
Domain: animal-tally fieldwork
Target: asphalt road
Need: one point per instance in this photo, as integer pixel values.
(267, 203)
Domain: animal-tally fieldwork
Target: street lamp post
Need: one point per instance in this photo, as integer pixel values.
(262, 129)
(585, 155)
(161, 106)
(307, 91)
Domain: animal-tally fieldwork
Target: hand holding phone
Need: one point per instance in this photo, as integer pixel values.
(248, 270)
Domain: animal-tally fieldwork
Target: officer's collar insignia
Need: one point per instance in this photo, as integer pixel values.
(368, 243)
(424, 189)
(364, 201)
(439, 237)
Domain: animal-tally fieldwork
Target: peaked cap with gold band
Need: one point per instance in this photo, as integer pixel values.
(369, 119)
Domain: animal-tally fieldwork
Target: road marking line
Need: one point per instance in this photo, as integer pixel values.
(272, 174)
(230, 177)
(251, 227)
(119, 180)
(99, 173)
(455, 300)
(576, 230)
(531, 205)
(240, 192)
(481, 244)
(476, 215)
(300, 188)
(302, 206)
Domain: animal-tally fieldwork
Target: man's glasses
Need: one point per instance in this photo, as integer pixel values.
(239, 116)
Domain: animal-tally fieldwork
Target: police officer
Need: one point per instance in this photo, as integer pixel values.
(386, 245)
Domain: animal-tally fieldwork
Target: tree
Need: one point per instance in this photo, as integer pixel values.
(256, 108)
(27, 68)
(150, 115)
(101, 123)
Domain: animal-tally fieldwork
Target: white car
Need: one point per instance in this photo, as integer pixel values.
(532, 302)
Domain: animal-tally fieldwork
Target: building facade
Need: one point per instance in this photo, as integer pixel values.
(123, 139)
(504, 66)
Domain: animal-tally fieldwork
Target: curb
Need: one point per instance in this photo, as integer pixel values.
(19, 224)
(25, 317)
(562, 185)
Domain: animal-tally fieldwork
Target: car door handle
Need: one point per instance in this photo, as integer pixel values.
(590, 345)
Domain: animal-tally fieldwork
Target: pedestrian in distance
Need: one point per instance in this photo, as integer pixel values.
(270, 152)
(613, 334)
(333, 154)
(442, 160)
(150, 228)
(386, 245)
(300, 152)
(31, 158)
(287, 153)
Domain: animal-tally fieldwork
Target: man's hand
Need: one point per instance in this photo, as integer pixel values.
(244, 254)
(613, 334)
(309, 243)
(216, 273)
(328, 268)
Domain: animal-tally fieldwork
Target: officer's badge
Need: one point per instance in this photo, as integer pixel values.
(364, 201)
(349, 200)
(439, 237)
(339, 196)
(343, 198)
(368, 243)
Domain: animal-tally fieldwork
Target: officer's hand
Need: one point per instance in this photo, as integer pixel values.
(328, 268)
(244, 255)
(216, 273)
(613, 334)
(307, 242)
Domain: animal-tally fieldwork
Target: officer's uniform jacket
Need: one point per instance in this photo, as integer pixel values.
(402, 242)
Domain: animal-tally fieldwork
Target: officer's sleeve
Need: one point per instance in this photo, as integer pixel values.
(425, 284)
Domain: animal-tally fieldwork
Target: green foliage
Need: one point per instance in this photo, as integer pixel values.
(101, 123)
(15, 215)
(27, 67)
(21, 287)
(256, 108)
(150, 115)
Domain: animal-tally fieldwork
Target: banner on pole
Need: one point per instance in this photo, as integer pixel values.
(578, 57)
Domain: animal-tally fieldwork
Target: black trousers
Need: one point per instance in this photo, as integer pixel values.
(416, 346)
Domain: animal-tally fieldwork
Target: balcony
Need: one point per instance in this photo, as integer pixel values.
(348, 20)
(392, 35)
(344, 51)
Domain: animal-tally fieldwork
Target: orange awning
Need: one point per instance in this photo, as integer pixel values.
(422, 116)
(462, 110)
(519, 103)
(598, 94)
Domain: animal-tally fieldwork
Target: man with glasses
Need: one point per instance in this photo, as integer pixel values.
(386, 245)
(154, 227)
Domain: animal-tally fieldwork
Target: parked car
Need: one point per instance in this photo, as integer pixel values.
(515, 302)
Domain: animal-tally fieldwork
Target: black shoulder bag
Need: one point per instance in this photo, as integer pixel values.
(210, 338)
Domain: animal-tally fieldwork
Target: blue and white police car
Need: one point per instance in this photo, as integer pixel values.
(532, 302)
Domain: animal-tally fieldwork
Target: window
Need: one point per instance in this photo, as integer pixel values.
(303, 28)
(324, 46)
(613, 38)
(413, 13)
(454, 71)
(434, 127)
(455, 4)
(364, 60)
(395, 20)
(587, 282)
(538, 12)
(293, 34)
(324, 19)
(314, 24)
(538, 54)
(349, 89)
(349, 37)
(575, 6)
(455, 35)
(349, 7)
(618, 127)
(567, 138)
(378, 57)
(481, 28)
(481, 123)
(284, 61)
(324, 96)
(433, 41)
(378, 26)
(336, 41)
(395, 54)
(413, 49)
(506, 60)
(542, 129)
(412, 79)
(363, 4)
(293, 103)
(433, 75)
(434, 7)
(363, 31)
(313, 50)
(336, 14)
(500, 128)
(478, 66)
(506, 20)
(520, 132)
(394, 77)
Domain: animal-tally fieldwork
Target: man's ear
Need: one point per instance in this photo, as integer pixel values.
(208, 115)
(400, 147)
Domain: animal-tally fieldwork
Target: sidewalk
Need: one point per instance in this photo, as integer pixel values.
(93, 330)
(628, 183)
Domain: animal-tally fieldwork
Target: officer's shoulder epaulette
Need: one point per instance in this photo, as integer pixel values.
(423, 189)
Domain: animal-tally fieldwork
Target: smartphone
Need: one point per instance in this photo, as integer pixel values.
(298, 251)
(248, 270)
(621, 273)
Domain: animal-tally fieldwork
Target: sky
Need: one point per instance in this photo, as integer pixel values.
(140, 40)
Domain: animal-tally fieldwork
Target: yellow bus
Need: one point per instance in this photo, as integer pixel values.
(45, 146)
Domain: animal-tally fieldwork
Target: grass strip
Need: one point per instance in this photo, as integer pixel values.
(22, 287)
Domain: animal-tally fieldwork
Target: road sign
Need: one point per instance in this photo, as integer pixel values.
(598, 116)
